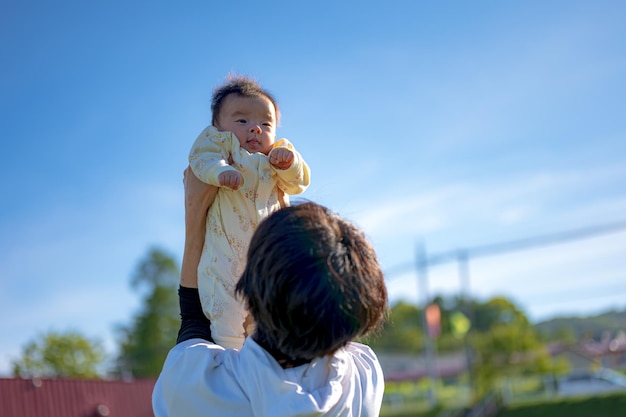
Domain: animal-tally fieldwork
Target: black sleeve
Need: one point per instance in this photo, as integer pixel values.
(193, 322)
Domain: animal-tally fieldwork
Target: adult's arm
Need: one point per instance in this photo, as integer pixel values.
(198, 198)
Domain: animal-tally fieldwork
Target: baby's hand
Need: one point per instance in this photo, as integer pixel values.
(281, 158)
(230, 179)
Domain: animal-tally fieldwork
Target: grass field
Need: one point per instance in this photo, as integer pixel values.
(605, 406)
(613, 405)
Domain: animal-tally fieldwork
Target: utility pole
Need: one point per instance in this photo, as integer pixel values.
(429, 343)
(466, 304)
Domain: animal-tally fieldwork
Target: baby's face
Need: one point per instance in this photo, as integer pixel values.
(251, 119)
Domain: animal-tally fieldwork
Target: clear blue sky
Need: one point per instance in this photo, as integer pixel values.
(455, 124)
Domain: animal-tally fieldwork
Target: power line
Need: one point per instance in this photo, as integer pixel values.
(513, 246)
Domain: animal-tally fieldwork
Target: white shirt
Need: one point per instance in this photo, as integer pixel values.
(201, 379)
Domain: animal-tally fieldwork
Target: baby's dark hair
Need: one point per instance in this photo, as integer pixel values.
(312, 283)
(242, 86)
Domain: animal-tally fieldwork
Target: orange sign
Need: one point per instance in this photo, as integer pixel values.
(433, 320)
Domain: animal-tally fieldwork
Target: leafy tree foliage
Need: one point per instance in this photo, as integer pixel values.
(144, 343)
(402, 331)
(570, 329)
(55, 354)
(501, 340)
(504, 343)
(497, 310)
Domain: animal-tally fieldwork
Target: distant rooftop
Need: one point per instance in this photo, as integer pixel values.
(40, 397)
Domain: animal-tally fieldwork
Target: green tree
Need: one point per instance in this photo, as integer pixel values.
(55, 354)
(144, 343)
(402, 332)
(505, 343)
(497, 310)
(500, 342)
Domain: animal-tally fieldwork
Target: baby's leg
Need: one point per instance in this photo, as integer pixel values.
(226, 313)
(228, 329)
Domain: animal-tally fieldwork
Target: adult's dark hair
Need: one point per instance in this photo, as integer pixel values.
(312, 283)
(242, 86)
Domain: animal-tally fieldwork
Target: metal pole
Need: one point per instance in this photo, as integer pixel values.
(429, 346)
(466, 303)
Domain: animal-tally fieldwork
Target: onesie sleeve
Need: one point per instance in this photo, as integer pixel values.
(209, 155)
(296, 178)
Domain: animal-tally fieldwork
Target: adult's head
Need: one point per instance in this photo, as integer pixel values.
(312, 283)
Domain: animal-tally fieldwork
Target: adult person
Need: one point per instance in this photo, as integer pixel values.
(313, 284)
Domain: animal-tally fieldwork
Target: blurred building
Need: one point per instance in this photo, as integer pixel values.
(608, 352)
(40, 397)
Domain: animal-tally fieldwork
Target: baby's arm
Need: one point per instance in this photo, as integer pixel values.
(292, 172)
(230, 179)
(209, 156)
(281, 158)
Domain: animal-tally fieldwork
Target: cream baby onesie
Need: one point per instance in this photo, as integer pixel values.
(232, 219)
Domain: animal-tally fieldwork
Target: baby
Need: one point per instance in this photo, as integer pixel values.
(254, 174)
